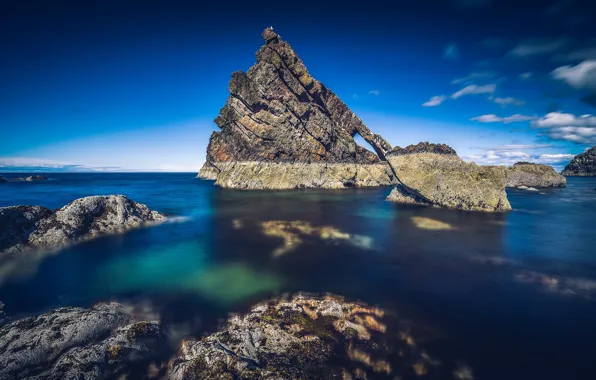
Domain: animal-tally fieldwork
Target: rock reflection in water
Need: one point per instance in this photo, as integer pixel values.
(567, 286)
(430, 224)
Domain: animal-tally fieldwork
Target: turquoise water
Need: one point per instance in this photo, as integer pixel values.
(513, 295)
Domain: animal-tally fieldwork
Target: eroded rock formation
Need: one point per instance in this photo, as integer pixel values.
(30, 227)
(278, 116)
(583, 164)
(431, 174)
(534, 175)
(75, 343)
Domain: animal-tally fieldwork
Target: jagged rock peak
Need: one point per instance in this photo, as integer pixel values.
(423, 147)
(277, 112)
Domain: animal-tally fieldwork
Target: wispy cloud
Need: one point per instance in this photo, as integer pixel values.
(582, 75)
(508, 101)
(474, 89)
(451, 51)
(31, 164)
(568, 127)
(492, 118)
(510, 157)
(577, 55)
(374, 92)
(513, 147)
(538, 46)
(526, 76)
(476, 75)
(435, 101)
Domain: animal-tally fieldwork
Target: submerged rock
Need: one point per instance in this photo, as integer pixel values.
(72, 342)
(583, 164)
(534, 175)
(277, 113)
(445, 180)
(21, 179)
(29, 227)
(302, 338)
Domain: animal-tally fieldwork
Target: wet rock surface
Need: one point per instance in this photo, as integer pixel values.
(534, 175)
(31, 227)
(76, 343)
(583, 165)
(444, 180)
(278, 113)
(22, 179)
(304, 338)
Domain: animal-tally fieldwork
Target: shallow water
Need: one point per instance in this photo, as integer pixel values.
(512, 295)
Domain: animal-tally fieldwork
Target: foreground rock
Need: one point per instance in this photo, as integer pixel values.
(431, 174)
(278, 114)
(31, 227)
(303, 338)
(76, 343)
(534, 175)
(583, 164)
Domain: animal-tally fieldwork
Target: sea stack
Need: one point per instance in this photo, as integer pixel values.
(433, 175)
(582, 165)
(534, 175)
(283, 129)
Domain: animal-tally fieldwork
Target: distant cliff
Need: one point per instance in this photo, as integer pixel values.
(583, 164)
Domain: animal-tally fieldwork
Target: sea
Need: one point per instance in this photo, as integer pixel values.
(511, 295)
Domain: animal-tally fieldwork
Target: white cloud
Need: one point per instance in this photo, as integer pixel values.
(451, 51)
(537, 47)
(474, 89)
(520, 146)
(435, 101)
(507, 101)
(374, 92)
(568, 127)
(492, 118)
(473, 76)
(508, 158)
(582, 75)
(526, 76)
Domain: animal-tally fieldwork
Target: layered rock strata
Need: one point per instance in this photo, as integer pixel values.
(277, 113)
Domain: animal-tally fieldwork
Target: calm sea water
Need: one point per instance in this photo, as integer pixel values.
(513, 295)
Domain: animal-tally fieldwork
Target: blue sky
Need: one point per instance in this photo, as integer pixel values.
(136, 85)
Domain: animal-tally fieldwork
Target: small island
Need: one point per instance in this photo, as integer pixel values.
(582, 165)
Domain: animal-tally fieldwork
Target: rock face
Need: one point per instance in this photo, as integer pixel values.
(76, 343)
(434, 175)
(300, 338)
(583, 164)
(277, 113)
(534, 175)
(28, 227)
(261, 176)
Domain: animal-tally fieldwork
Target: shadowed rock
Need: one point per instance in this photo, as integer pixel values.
(70, 342)
(582, 165)
(534, 175)
(277, 113)
(432, 174)
(28, 227)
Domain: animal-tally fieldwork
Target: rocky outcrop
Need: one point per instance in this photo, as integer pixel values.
(304, 338)
(534, 175)
(278, 114)
(31, 227)
(68, 343)
(434, 175)
(21, 179)
(279, 176)
(583, 164)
